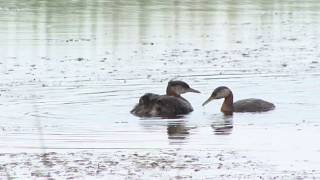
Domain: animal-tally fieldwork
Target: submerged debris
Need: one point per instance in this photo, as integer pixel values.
(129, 164)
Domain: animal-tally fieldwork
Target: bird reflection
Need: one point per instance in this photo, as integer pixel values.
(223, 127)
(177, 131)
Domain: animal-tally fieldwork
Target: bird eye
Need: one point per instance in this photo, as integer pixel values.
(159, 102)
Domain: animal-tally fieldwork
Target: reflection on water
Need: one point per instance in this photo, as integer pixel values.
(177, 131)
(223, 127)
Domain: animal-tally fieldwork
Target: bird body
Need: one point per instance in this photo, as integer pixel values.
(252, 105)
(244, 105)
(171, 104)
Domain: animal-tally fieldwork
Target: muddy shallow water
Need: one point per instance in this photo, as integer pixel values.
(70, 72)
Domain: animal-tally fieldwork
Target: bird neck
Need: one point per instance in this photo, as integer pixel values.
(227, 106)
(171, 92)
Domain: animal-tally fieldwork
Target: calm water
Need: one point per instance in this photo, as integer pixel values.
(70, 72)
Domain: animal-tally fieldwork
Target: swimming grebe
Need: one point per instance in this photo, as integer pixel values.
(245, 105)
(171, 104)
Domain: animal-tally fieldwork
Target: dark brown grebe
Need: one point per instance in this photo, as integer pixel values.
(245, 105)
(171, 104)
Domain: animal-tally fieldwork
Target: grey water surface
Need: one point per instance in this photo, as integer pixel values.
(71, 71)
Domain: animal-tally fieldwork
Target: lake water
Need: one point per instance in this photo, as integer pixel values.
(71, 71)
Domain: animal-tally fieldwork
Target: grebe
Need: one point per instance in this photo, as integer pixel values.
(245, 105)
(171, 104)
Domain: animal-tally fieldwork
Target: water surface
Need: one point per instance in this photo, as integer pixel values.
(72, 70)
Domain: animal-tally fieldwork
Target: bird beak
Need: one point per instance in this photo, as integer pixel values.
(193, 90)
(208, 100)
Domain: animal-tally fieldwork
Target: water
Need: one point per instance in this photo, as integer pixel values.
(72, 70)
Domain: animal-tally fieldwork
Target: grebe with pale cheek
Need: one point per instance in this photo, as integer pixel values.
(171, 104)
(245, 105)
